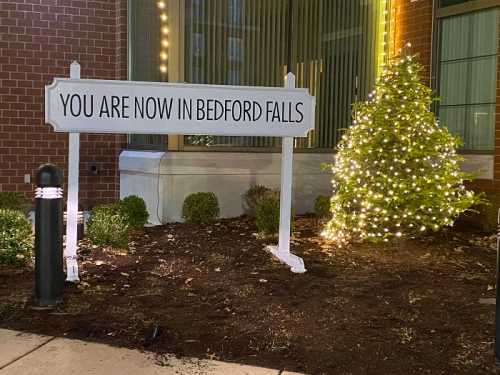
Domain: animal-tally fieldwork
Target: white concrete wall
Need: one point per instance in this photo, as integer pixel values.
(481, 166)
(139, 176)
(227, 174)
(164, 179)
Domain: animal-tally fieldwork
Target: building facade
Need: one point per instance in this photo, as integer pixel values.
(336, 49)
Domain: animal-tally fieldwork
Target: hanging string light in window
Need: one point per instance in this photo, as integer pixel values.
(163, 37)
(383, 34)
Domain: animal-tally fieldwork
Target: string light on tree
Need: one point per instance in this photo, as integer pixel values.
(396, 173)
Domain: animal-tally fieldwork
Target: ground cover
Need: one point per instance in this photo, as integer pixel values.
(213, 291)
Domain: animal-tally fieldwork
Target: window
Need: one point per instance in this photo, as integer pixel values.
(144, 59)
(445, 3)
(198, 45)
(332, 47)
(235, 52)
(234, 10)
(467, 77)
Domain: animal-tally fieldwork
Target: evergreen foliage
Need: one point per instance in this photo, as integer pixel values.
(267, 214)
(135, 209)
(13, 201)
(253, 196)
(396, 172)
(108, 226)
(322, 207)
(200, 208)
(16, 238)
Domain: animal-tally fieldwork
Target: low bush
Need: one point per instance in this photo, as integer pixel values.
(483, 216)
(16, 238)
(201, 208)
(252, 197)
(322, 207)
(267, 214)
(108, 226)
(13, 201)
(135, 209)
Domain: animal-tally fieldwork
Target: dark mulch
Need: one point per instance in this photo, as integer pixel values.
(213, 291)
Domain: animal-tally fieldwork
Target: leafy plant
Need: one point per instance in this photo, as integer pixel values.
(16, 238)
(252, 197)
(267, 214)
(10, 200)
(484, 214)
(396, 172)
(200, 208)
(108, 226)
(134, 208)
(322, 206)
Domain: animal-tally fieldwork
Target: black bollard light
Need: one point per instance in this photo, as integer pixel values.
(49, 274)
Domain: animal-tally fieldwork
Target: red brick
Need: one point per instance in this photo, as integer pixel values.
(42, 39)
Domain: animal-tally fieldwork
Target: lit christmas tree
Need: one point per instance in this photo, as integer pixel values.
(396, 172)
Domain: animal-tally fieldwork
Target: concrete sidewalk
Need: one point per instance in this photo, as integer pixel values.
(28, 354)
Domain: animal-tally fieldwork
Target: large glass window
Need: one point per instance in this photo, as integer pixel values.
(467, 77)
(445, 3)
(332, 46)
(145, 59)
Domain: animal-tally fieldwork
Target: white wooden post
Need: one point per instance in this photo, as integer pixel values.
(282, 251)
(72, 205)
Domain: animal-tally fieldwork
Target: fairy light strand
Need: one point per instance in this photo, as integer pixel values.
(164, 42)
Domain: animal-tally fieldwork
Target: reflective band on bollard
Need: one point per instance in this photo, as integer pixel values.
(49, 193)
(49, 274)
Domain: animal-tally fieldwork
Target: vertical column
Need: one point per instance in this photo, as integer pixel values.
(282, 251)
(72, 205)
(286, 183)
(176, 22)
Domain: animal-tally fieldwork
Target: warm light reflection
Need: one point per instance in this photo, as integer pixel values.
(164, 37)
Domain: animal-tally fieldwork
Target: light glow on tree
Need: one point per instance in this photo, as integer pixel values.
(396, 172)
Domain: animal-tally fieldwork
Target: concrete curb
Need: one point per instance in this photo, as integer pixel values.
(28, 354)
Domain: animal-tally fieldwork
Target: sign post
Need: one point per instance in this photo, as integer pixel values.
(282, 251)
(72, 202)
(101, 106)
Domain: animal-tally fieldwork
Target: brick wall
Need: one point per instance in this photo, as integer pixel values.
(38, 41)
(412, 22)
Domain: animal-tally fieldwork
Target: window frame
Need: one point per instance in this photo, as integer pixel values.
(177, 142)
(439, 14)
(131, 145)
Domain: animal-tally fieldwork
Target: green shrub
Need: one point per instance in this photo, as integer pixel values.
(16, 238)
(200, 208)
(108, 226)
(135, 209)
(107, 208)
(322, 206)
(252, 197)
(484, 215)
(267, 214)
(13, 201)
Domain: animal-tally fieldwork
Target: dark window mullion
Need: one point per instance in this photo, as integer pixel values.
(469, 58)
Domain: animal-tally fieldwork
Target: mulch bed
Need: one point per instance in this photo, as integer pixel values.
(214, 292)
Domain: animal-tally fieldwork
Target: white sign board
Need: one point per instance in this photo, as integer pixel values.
(99, 106)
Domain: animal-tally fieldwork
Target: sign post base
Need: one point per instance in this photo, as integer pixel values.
(72, 269)
(296, 263)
